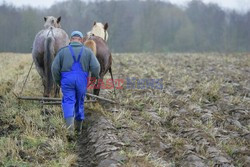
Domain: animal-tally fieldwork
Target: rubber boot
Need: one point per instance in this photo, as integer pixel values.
(70, 127)
(78, 125)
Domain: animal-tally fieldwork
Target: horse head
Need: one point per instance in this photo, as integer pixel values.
(99, 30)
(51, 21)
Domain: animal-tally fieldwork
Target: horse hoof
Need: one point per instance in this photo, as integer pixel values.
(46, 95)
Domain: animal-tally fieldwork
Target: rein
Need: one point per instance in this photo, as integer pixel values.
(105, 36)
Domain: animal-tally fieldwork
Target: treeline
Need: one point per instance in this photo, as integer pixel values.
(134, 26)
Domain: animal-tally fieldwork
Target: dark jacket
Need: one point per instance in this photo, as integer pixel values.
(63, 61)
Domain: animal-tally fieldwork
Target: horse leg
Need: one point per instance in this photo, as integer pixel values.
(39, 63)
(98, 86)
(38, 60)
(110, 71)
(56, 90)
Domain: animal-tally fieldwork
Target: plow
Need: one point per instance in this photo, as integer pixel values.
(56, 101)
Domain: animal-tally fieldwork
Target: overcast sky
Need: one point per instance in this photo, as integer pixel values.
(239, 5)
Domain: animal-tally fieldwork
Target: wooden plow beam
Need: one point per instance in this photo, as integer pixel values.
(38, 98)
(57, 101)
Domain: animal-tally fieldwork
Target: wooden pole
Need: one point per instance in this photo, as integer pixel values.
(59, 99)
(100, 98)
(39, 98)
(59, 103)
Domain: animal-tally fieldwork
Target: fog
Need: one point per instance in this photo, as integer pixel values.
(135, 26)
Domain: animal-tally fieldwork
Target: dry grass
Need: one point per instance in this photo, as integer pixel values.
(31, 136)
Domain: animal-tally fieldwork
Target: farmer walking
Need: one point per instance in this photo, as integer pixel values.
(70, 70)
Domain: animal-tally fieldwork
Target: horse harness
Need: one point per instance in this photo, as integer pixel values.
(51, 31)
(92, 34)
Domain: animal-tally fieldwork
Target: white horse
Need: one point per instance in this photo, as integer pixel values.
(45, 46)
(99, 30)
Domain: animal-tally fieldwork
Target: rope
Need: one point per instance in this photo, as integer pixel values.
(24, 83)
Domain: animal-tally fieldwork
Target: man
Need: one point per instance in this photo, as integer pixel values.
(70, 70)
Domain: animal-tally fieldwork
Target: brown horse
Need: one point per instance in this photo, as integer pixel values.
(45, 46)
(98, 44)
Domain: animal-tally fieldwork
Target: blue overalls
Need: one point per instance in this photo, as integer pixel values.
(74, 86)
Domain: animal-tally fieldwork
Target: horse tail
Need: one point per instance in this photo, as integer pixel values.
(48, 58)
(91, 44)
